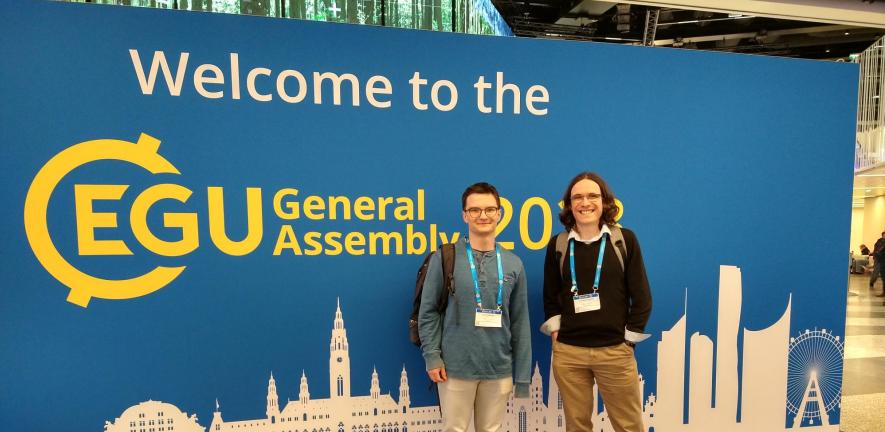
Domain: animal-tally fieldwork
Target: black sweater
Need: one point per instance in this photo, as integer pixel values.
(624, 295)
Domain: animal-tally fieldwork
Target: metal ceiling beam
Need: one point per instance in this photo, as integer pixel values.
(773, 33)
(846, 12)
(651, 26)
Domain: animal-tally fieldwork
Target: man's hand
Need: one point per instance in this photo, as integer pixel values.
(437, 375)
(553, 335)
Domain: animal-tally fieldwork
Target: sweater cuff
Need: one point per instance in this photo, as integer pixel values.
(521, 390)
(634, 336)
(433, 361)
(551, 325)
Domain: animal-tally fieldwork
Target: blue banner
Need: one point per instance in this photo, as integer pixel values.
(214, 221)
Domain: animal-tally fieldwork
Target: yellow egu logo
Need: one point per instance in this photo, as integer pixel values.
(143, 153)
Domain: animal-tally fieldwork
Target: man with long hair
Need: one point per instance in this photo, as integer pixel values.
(596, 302)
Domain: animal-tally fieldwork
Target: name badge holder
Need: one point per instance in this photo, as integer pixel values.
(487, 317)
(586, 302)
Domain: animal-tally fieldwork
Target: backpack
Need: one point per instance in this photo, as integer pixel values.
(448, 265)
(617, 238)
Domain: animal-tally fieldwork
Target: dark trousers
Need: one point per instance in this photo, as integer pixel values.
(877, 272)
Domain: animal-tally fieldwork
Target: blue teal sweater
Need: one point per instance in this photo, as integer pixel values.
(452, 341)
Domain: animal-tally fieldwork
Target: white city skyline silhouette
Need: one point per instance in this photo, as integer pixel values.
(763, 390)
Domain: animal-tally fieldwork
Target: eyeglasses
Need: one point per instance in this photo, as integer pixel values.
(587, 197)
(474, 212)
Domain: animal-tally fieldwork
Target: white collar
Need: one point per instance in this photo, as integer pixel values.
(573, 235)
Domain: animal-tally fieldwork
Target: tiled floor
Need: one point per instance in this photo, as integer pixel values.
(863, 388)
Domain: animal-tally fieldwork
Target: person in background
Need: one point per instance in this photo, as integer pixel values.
(860, 262)
(878, 260)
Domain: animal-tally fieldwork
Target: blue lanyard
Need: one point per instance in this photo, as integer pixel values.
(571, 260)
(500, 301)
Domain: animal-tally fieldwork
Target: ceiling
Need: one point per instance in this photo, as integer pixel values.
(868, 183)
(624, 23)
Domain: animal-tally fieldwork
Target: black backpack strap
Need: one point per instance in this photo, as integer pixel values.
(448, 267)
(419, 285)
(435, 386)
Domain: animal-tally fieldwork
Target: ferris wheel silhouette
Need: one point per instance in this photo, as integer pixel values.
(814, 376)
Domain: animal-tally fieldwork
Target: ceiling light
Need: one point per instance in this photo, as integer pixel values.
(847, 33)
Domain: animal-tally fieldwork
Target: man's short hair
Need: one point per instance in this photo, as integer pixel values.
(609, 209)
(479, 188)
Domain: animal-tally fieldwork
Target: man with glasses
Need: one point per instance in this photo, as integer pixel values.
(481, 345)
(597, 301)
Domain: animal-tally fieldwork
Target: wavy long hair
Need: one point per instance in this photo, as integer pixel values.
(609, 209)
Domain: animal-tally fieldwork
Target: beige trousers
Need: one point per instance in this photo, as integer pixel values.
(614, 370)
(485, 399)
